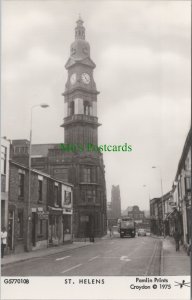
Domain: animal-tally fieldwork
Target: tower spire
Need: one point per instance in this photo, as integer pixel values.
(80, 29)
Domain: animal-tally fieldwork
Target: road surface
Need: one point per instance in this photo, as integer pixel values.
(108, 257)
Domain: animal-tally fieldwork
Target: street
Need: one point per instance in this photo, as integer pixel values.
(107, 257)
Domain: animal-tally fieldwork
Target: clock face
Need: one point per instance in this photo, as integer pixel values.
(85, 78)
(73, 78)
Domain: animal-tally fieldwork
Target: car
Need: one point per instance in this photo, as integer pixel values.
(142, 232)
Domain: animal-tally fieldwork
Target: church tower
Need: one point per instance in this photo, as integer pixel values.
(85, 168)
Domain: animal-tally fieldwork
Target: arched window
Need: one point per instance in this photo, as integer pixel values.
(87, 108)
(71, 108)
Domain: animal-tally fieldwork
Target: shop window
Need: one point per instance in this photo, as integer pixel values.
(20, 224)
(188, 184)
(40, 227)
(56, 195)
(21, 185)
(40, 190)
(67, 224)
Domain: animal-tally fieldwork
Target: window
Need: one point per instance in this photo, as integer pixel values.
(86, 175)
(3, 159)
(87, 108)
(91, 196)
(56, 195)
(188, 184)
(71, 108)
(21, 185)
(93, 175)
(20, 224)
(20, 150)
(40, 190)
(67, 200)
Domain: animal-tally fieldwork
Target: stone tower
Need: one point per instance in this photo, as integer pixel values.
(115, 202)
(85, 169)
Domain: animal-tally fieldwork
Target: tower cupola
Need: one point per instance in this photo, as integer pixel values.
(80, 48)
(80, 30)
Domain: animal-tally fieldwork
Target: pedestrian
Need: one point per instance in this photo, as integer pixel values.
(3, 240)
(176, 236)
(111, 231)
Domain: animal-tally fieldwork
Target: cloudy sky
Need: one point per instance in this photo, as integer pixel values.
(142, 53)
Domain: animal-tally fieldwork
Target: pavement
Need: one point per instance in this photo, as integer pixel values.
(14, 258)
(174, 263)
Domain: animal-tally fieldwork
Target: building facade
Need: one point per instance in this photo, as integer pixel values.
(182, 192)
(45, 219)
(138, 216)
(5, 153)
(173, 210)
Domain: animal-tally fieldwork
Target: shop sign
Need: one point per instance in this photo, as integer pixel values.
(39, 208)
(67, 211)
(43, 215)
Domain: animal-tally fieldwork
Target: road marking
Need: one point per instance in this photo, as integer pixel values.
(91, 259)
(65, 271)
(61, 258)
(125, 258)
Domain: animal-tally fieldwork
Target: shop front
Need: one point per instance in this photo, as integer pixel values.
(39, 230)
(67, 225)
(55, 235)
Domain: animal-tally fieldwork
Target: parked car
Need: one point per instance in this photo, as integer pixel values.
(142, 232)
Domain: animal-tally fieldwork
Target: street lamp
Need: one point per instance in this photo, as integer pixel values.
(161, 181)
(43, 105)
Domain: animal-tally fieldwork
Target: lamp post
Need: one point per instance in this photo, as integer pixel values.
(161, 182)
(43, 105)
(145, 186)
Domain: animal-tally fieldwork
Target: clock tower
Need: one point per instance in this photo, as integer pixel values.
(85, 168)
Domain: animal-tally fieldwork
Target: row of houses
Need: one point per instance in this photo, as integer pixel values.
(173, 211)
(38, 221)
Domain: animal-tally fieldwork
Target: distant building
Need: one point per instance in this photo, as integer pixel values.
(138, 216)
(5, 148)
